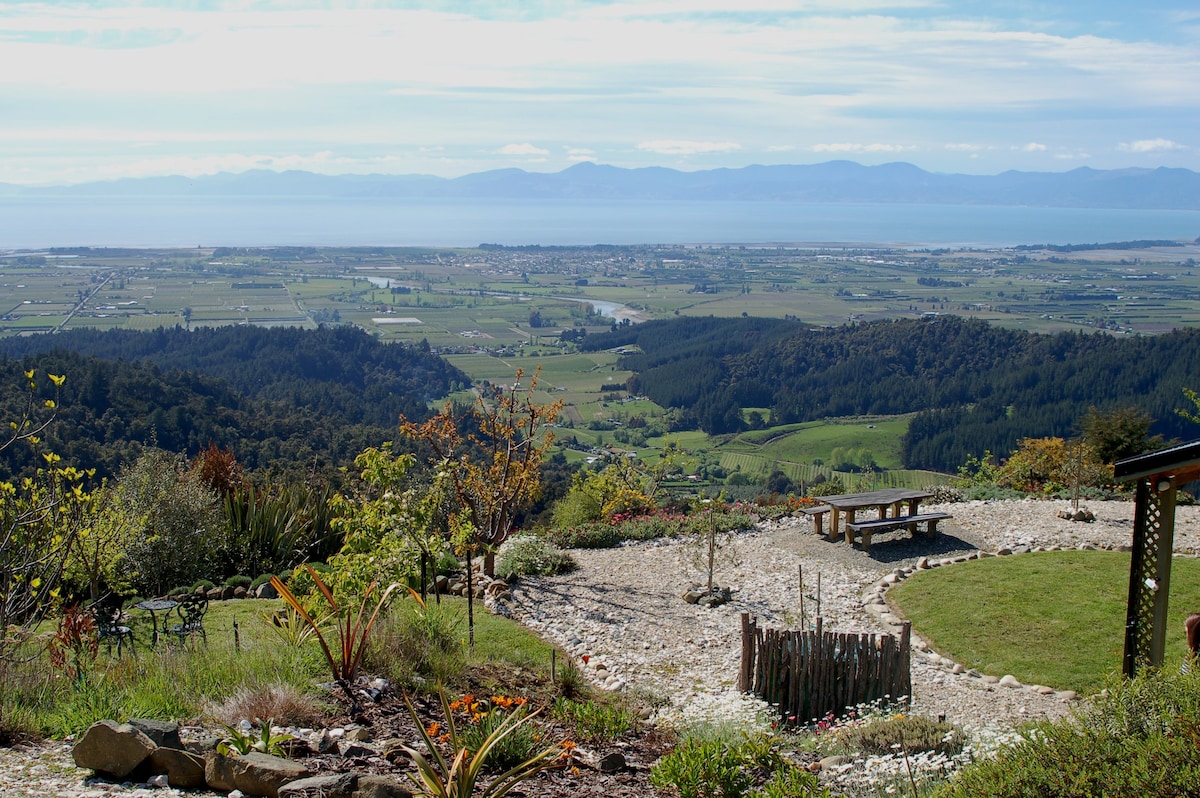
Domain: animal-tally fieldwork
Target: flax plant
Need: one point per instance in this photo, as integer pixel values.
(352, 630)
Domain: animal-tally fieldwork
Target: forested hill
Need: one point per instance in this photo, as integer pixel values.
(283, 398)
(974, 387)
(336, 370)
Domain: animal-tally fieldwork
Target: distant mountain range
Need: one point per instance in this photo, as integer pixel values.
(834, 181)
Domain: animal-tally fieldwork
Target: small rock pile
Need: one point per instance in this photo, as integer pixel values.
(700, 594)
(153, 753)
(495, 593)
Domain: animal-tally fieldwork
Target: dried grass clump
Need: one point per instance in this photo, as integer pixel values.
(284, 704)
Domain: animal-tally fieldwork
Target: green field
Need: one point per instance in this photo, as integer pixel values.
(496, 310)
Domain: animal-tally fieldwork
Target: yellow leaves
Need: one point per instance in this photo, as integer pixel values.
(35, 583)
(29, 374)
(51, 457)
(57, 379)
(50, 404)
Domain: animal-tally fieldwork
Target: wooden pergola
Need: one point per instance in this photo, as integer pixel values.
(1158, 475)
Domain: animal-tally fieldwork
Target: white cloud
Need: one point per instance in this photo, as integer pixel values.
(523, 150)
(1151, 145)
(1032, 146)
(684, 147)
(580, 154)
(844, 147)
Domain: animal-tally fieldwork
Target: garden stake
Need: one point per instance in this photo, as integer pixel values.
(237, 639)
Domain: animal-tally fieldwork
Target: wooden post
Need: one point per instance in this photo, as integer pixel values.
(803, 619)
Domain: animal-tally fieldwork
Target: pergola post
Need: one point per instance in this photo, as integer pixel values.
(1149, 574)
(1158, 475)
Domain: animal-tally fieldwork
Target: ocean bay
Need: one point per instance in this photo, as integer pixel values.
(34, 222)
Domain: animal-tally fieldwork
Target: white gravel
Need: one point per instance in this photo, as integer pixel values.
(622, 607)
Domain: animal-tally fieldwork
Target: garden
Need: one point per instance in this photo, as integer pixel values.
(371, 638)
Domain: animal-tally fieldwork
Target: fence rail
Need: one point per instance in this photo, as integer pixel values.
(808, 674)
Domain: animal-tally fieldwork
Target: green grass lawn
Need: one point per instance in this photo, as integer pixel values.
(1053, 618)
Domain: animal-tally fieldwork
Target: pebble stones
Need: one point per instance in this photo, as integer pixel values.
(623, 605)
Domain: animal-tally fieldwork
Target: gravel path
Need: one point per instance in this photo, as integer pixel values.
(622, 607)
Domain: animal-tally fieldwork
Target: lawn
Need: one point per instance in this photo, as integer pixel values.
(1052, 618)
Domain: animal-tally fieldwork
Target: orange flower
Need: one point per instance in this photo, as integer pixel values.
(433, 729)
(567, 745)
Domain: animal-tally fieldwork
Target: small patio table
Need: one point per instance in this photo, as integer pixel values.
(154, 606)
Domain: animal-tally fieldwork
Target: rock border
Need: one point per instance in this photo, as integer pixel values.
(874, 601)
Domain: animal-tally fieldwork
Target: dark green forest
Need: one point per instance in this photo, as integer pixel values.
(972, 387)
(284, 400)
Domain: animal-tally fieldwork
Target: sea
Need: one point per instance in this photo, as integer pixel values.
(31, 223)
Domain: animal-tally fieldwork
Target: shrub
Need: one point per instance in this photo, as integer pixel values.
(482, 720)
(1137, 738)
(585, 536)
(907, 733)
(526, 555)
(241, 581)
(207, 584)
(722, 768)
(260, 580)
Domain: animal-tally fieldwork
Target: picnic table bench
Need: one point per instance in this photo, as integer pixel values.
(889, 501)
(866, 528)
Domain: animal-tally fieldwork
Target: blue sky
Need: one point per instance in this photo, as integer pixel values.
(102, 90)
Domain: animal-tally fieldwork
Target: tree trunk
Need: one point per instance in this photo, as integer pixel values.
(470, 604)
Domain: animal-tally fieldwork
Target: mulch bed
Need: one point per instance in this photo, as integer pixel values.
(617, 768)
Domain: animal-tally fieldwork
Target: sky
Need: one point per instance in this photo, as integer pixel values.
(104, 90)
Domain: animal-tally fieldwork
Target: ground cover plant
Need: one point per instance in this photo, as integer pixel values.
(1052, 618)
(1138, 737)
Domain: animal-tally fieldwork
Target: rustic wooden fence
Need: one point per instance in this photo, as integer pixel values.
(808, 674)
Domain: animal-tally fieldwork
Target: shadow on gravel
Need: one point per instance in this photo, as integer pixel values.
(898, 546)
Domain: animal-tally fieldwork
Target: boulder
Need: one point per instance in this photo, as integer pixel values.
(266, 591)
(227, 592)
(183, 769)
(611, 763)
(253, 773)
(214, 594)
(240, 592)
(381, 787)
(334, 785)
(163, 733)
(115, 750)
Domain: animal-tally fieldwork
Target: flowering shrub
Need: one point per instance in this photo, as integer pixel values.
(661, 523)
(482, 718)
(458, 777)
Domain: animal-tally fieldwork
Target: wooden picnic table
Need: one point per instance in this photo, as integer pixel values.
(850, 503)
